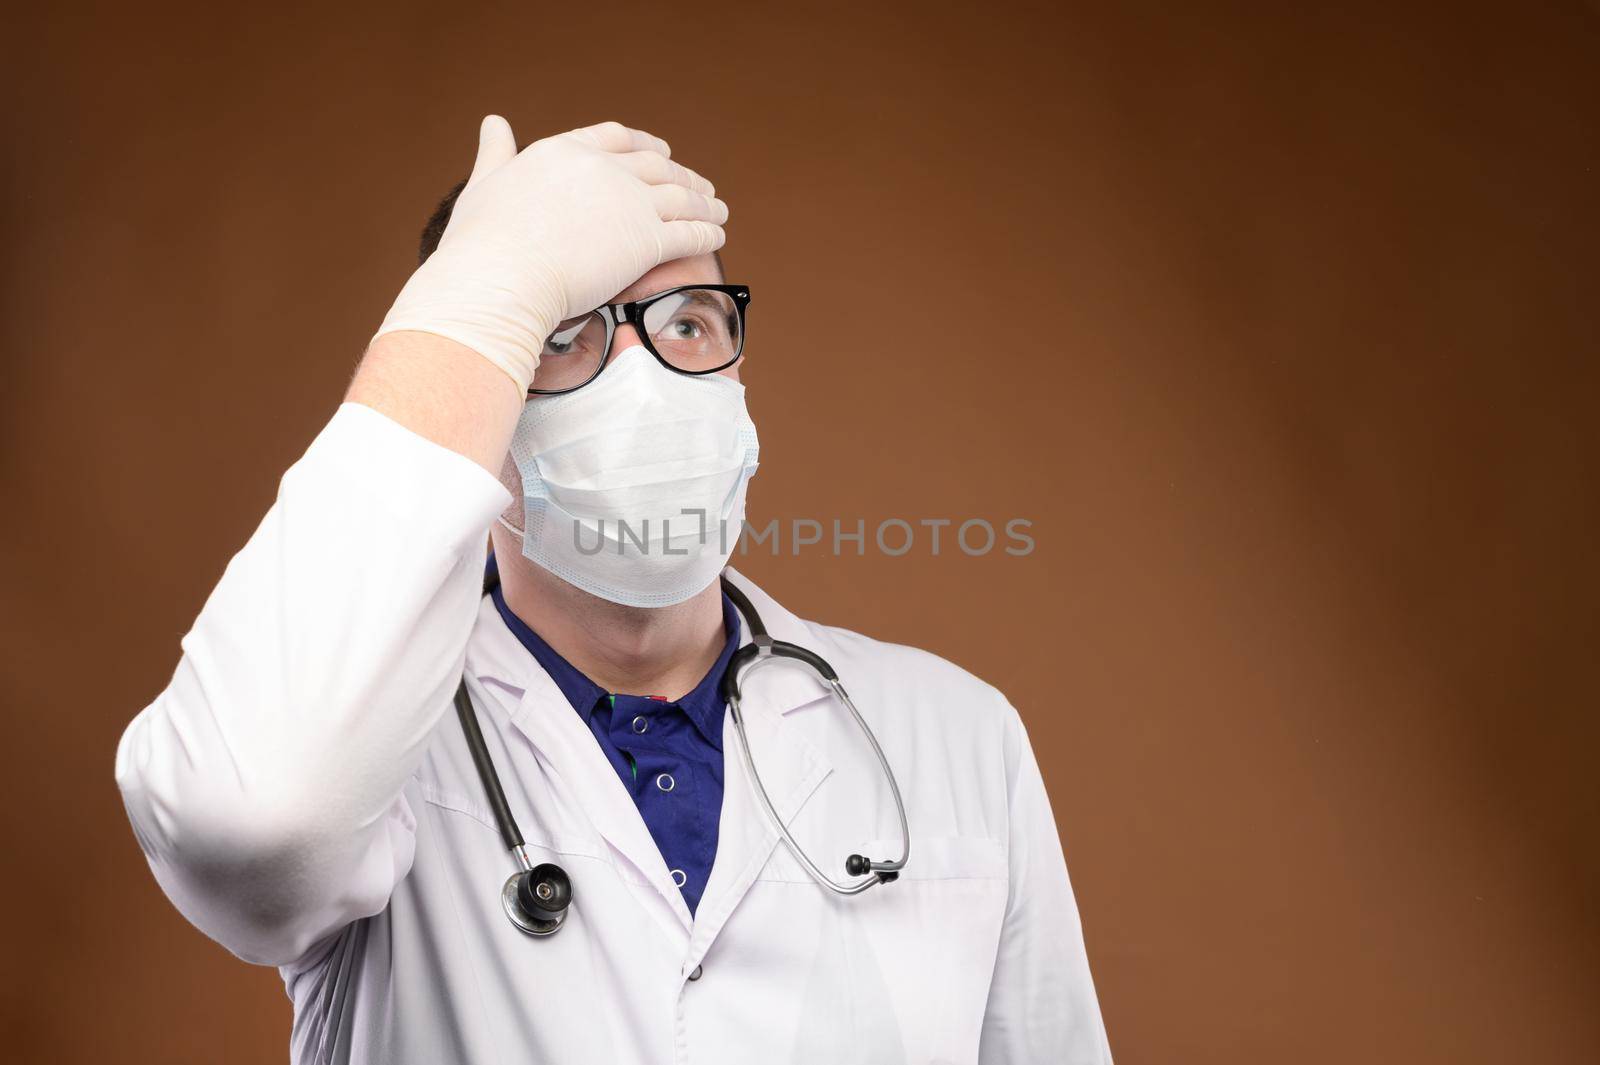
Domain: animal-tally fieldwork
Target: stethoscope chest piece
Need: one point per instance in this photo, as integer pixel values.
(536, 900)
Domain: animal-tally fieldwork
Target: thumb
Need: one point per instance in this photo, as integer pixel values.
(496, 147)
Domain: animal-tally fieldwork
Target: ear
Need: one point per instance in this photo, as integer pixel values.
(511, 480)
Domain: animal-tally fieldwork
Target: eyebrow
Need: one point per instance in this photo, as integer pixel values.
(701, 297)
(652, 295)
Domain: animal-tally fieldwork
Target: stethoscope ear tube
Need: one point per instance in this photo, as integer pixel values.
(764, 649)
(761, 645)
(747, 654)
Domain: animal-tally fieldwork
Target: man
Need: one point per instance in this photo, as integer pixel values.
(306, 796)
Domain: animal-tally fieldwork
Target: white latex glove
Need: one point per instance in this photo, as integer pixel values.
(550, 233)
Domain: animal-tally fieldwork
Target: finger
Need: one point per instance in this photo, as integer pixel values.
(496, 147)
(674, 203)
(680, 240)
(615, 137)
(652, 168)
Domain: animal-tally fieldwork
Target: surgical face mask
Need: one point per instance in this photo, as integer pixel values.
(633, 486)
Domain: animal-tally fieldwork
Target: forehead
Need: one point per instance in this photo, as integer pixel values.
(696, 270)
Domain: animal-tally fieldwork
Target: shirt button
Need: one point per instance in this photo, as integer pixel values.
(678, 877)
(640, 724)
(665, 782)
(696, 974)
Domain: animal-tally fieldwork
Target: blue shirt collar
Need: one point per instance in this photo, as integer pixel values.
(704, 705)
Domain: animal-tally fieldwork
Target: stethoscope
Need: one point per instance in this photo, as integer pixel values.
(536, 897)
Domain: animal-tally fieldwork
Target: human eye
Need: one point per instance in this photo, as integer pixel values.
(576, 336)
(686, 327)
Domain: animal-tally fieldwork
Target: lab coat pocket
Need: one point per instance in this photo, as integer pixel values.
(461, 804)
(945, 857)
(934, 933)
(543, 841)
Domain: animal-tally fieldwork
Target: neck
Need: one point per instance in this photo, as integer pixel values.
(624, 649)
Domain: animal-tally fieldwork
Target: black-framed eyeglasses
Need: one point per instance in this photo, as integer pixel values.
(691, 329)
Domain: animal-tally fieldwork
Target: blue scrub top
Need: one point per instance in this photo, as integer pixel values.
(667, 754)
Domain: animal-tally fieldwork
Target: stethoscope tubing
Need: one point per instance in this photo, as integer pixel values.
(762, 649)
(878, 869)
(503, 819)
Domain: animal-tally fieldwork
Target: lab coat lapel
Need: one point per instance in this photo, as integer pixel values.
(546, 718)
(791, 767)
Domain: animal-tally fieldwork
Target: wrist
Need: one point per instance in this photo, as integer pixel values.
(504, 315)
(442, 390)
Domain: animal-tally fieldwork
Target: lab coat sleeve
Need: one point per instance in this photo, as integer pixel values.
(264, 784)
(1042, 1006)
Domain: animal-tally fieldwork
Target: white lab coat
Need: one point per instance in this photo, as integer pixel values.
(304, 795)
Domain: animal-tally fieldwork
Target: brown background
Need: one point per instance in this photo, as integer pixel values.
(1279, 325)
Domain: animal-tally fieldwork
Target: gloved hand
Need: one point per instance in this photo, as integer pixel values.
(551, 232)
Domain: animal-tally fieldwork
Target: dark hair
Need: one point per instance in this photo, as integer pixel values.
(434, 230)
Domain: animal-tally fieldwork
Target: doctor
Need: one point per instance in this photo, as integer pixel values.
(305, 793)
